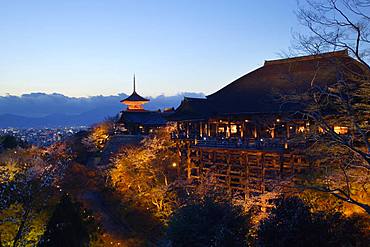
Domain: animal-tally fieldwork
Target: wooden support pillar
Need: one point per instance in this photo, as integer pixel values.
(180, 160)
(228, 172)
(281, 164)
(242, 129)
(263, 172)
(287, 131)
(247, 186)
(255, 135)
(287, 136)
(228, 134)
(201, 162)
(200, 129)
(188, 161)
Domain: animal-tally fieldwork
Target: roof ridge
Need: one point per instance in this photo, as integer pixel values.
(341, 53)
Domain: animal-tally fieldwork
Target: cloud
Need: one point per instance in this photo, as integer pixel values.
(58, 109)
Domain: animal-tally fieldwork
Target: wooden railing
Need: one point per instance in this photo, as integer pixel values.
(263, 143)
(235, 143)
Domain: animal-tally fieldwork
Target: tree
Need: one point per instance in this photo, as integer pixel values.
(209, 223)
(28, 182)
(9, 142)
(68, 226)
(344, 158)
(144, 174)
(292, 222)
(99, 135)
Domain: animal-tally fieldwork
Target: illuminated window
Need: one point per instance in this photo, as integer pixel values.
(221, 130)
(340, 130)
(233, 129)
(300, 129)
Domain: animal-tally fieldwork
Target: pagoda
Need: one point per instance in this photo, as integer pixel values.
(135, 120)
(135, 102)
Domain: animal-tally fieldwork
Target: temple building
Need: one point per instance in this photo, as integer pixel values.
(244, 132)
(135, 120)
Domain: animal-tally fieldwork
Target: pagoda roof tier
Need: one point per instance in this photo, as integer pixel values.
(135, 97)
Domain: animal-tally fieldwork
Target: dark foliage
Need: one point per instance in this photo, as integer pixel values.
(209, 223)
(9, 142)
(291, 223)
(80, 153)
(68, 226)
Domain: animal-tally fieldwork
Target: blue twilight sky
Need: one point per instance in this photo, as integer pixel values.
(93, 47)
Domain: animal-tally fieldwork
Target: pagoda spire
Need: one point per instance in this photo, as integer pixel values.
(134, 84)
(134, 102)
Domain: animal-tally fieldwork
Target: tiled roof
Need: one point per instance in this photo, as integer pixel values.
(257, 91)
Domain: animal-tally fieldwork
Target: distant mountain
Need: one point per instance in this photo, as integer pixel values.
(37, 110)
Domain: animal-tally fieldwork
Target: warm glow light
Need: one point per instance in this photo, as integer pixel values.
(246, 120)
(174, 164)
(278, 120)
(233, 129)
(341, 130)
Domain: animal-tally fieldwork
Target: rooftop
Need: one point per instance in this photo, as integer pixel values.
(258, 91)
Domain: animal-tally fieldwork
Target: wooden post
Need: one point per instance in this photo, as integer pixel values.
(187, 129)
(262, 159)
(287, 135)
(247, 192)
(281, 169)
(228, 172)
(287, 131)
(200, 129)
(201, 162)
(242, 130)
(188, 161)
(228, 128)
(180, 160)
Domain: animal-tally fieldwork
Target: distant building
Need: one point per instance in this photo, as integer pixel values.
(135, 120)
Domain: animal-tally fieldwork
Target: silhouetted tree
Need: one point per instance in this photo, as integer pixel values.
(9, 142)
(66, 226)
(291, 223)
(209, 223)
(331, 25)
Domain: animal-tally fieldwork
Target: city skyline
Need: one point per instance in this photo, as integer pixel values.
(87, 48)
